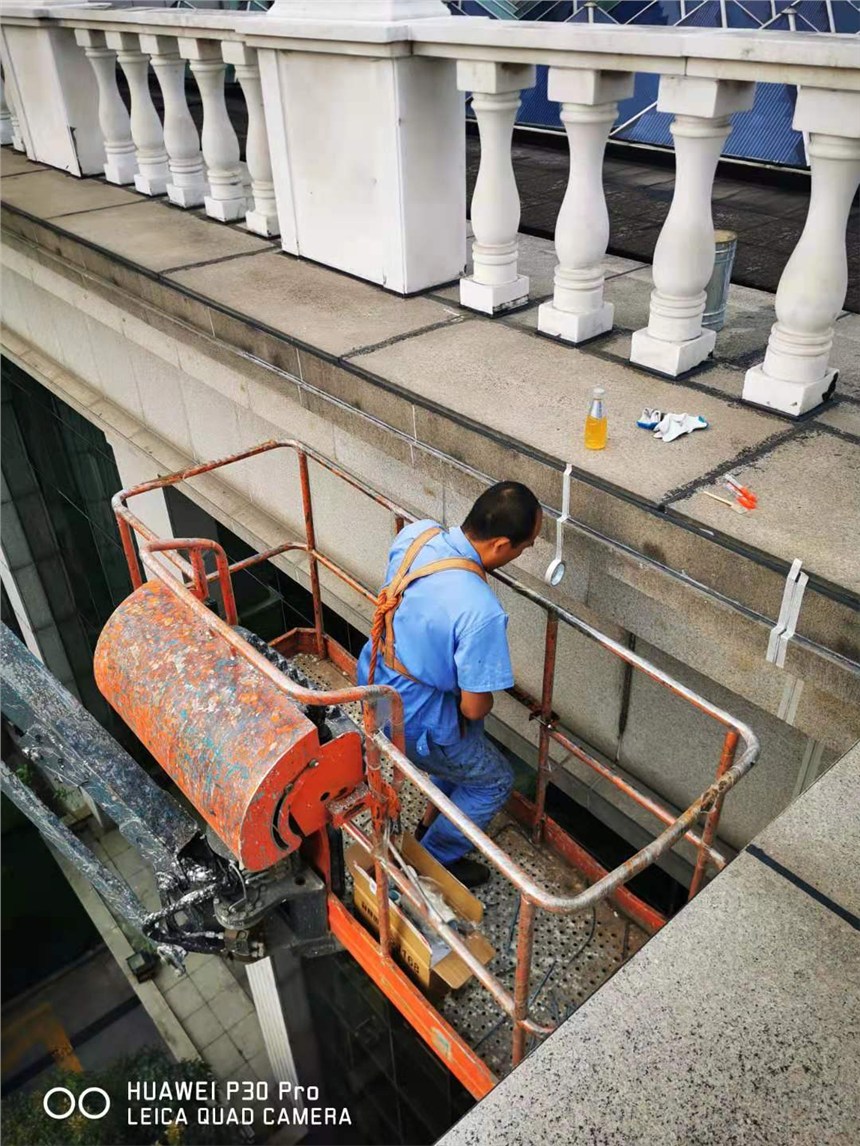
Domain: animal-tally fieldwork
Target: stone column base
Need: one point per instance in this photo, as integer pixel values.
(260, 224)
(793, 398)
(225, 210)
(574, 327)
(494, 298)
(121, 170)
(150, 185)
(186, 196)
(670, 358)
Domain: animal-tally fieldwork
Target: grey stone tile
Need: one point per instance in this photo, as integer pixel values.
(818, 837)
(203, 1026)
(314, 305)
(808, 492)
(212, 978)
(50, 194)
(537, 392)
(183, 998)
(695, 1055)
(247, 1037)
(224, 1057)
(159, 237)
(232, 1005)
(15, 163)
(360, 393)
(844, 416)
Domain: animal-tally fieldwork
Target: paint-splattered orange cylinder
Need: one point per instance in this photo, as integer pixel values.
(229, 738)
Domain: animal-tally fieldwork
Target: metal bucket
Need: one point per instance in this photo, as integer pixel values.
(717, 294)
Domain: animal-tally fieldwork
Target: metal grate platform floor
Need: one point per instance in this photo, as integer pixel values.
(573, 956)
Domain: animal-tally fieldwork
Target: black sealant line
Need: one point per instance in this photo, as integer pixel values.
(850, 917)
(819, 584)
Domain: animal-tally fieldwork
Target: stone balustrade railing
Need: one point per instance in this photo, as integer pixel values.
(355, 149)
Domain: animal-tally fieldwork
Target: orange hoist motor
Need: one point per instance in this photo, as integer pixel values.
(258, 766)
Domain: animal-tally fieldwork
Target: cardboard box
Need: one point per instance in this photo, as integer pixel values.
(450, 973)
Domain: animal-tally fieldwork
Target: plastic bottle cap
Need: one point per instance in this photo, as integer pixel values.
(599, 391)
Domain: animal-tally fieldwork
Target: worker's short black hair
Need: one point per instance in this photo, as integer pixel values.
(507, 509)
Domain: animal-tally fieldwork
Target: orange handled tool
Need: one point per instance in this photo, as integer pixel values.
(743, 496)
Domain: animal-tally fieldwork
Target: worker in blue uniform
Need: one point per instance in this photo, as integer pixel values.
(440, 640)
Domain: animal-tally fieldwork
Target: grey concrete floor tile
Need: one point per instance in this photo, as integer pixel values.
(808, 491)
(247, 1037)
(755, 1045)
(224, 1057)
(232, 1006)
(842, 416)
(325, 309)
(818, 837)
(211, 978)
(50, 194)
(159, 237)
(538, 391)
(15, 163)
(203, 1026)
(183, 997)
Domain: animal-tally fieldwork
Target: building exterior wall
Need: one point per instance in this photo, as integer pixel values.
(165, 395)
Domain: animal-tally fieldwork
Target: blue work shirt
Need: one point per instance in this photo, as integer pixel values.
(449, 632)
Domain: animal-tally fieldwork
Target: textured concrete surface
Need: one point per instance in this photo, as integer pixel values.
(538, 392)
(51, 194)
(738, 1023)
(14, 163)
(157, 236)
(336, 313)
(789, 521)
(819, 835)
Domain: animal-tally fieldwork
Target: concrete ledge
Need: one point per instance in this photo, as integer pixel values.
(265, 370)
(738, 1022)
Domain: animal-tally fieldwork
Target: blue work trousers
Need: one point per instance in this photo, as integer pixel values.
(474, 774)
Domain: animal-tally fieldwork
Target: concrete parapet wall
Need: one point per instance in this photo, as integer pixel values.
(173, 378)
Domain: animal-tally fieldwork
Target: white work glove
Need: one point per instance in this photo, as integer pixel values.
(673, 426)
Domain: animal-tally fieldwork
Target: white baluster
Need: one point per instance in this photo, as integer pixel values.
(795, 375)
(226, 198)
(674, 340)
(146, 131)
(120, 158)
(495, 284)
(262, 218)
(5, 117)
(589, 102)
(186, 186)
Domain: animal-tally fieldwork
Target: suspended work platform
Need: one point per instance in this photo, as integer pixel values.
(285, 760)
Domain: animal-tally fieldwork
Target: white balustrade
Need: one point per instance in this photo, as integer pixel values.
(5, 117)
(120, 157)
(187, 185)
(146, 131)
(226, 198)
(495, 284)
(262, 218)
(589, 102)
(795, 375)
(674, 340)
(354, 151)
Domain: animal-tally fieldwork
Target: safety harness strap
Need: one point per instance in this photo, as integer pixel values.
(390, 598)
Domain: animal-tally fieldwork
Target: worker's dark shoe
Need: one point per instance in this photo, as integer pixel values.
(470, 873)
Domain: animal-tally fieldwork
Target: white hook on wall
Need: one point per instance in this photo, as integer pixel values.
(555, 571)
